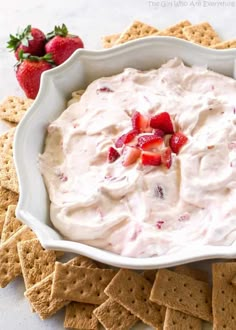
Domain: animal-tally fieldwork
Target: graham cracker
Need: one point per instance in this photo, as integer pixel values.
(224, 296)
(150, 275)
(197, 274)
(135, 31)
(81, 284)
(109, 41)
(75, 97)
(225, 44)
(176, 320)
(36, 262)
(113, 316)
(132, 291)
(80, 316)
(81, 261)
(9, 259)
(14, 108)
(182, 293)
(39, 296)
(7, 197)
(11, 223)
(175, 30)
(8, 177)
(202, 34)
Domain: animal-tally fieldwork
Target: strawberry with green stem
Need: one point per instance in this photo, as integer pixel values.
(61, 44)
(30, 40)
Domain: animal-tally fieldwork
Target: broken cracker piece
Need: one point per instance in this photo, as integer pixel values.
(36, 262)
(114, 316)
(8, 177)
(176, 320)
(223, 296)
(175, 30)
(109, 40)
(81, 284)
(225, 44)
(132, 291)
(136, 30)
(9, 260)
(202, 34)
(7, 197)
(182, 293)
(11, 224)
(80, 316)
(14, 108)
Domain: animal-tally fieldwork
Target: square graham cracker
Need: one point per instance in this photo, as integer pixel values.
(9, 260)
(81, 284)
(114, 316)
(36, 262)
(182, 293)
(109, 40)
(132, 291)
(11, 224)
(7, 197)
(202, 34)
(136, 30)
(176, 320)
(224, 296)
(14, 108)
(175, 30)
(80, 316)
(8, 177)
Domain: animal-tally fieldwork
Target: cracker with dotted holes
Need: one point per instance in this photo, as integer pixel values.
(132, 291)
(109, 41)
(197, 274)
(81, 284)
(176, 320)
(182, 293)
(223, 296)
(175, 30)
(9, 259)
(113, 316)
(80, 316)
(75, 97)
(135, 31)
(202, 34)
(11, 223)
(7, 197)
(225, 44)
(14, 108)
(39, 295)
(36, 262)
(8, 177)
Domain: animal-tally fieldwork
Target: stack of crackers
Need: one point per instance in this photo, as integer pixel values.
(202, 34)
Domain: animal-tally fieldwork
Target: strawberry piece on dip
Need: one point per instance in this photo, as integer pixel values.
(130, 155)
(112, 155)
(166, 157)
(149, 141)
(177, 141)
(126, 138)
(139, 122)
(150, 158)
(163, 122)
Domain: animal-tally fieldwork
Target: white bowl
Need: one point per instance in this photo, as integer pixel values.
(83, 67)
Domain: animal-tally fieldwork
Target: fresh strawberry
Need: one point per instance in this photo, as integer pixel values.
(158, 132)
(151, 158)
(112, 155)
(163, 122)
(130, 155)
(166, 157)
(61, 44)
(126, 138)
(29, 71)
(139, 121)
(149, 141)
(31, 41)
(177, 140)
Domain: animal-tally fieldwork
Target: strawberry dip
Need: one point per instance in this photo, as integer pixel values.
(145, 163)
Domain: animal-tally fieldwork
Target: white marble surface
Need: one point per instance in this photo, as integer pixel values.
(90, 19)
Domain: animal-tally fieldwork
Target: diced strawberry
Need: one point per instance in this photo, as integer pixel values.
(130, 155)
(163, 122)
(126, 138)
(104, 90)
(139, 121)
(177, 140)
(112, 155)
(166, 157)
(158, 132)
(149, 141)
(151, 158)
